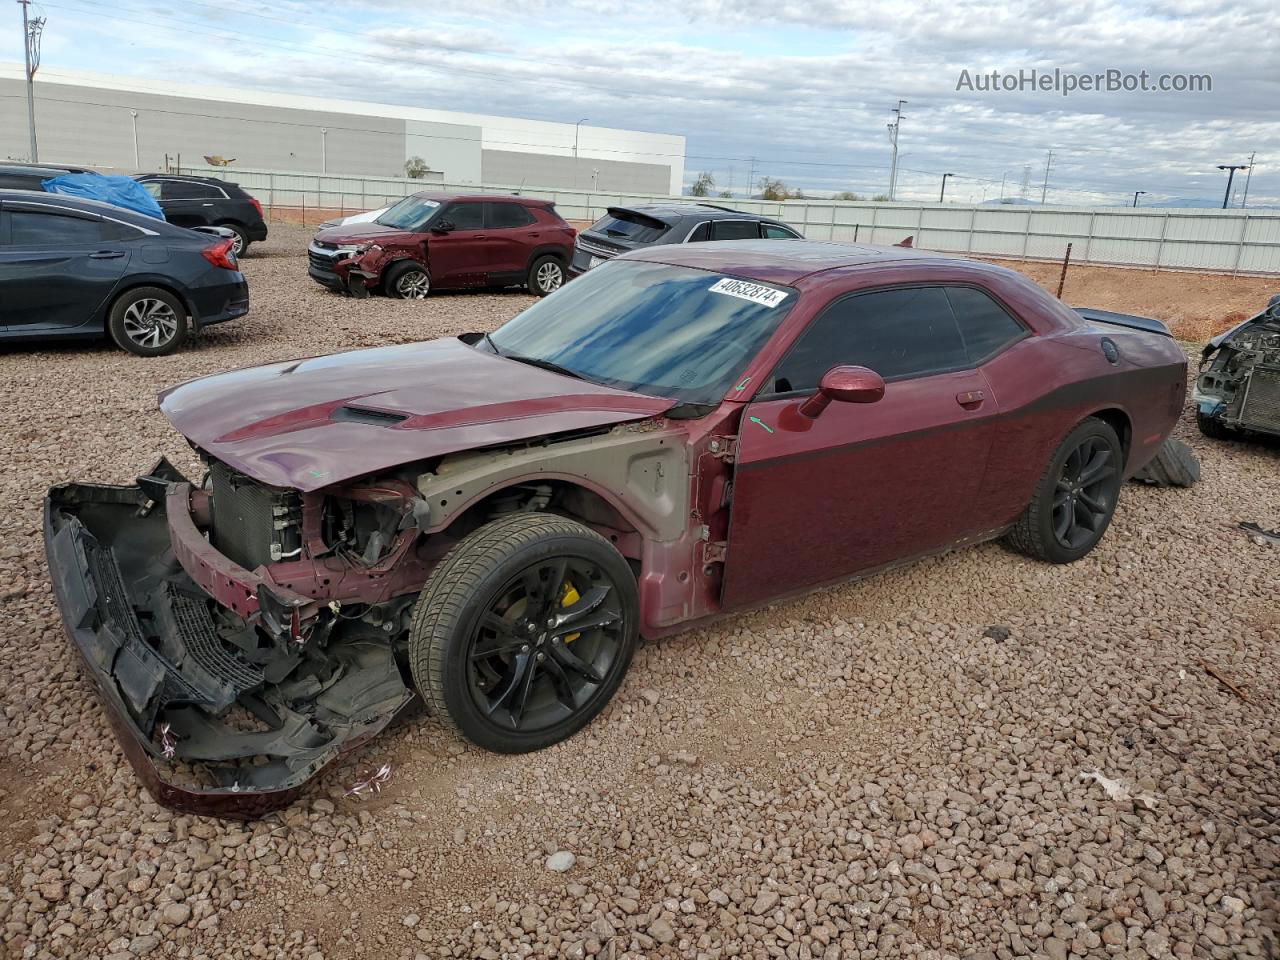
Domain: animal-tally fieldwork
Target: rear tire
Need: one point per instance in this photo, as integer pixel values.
(546, 275)
(407, 280)
(524, 631)
(1076, 497)
(240, 242)
(148, 321)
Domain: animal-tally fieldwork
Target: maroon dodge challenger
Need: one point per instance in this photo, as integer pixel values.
(491, 522)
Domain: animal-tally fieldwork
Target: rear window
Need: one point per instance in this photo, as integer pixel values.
(622, 225)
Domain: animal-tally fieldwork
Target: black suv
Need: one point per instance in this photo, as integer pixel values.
(31, 176)
(629, 228)
(207, 202)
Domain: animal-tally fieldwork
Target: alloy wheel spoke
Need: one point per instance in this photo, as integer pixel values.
(1092, 502)
(566, 658)
(521, 673)
(560, 684)
(1097, 468)
(1062, 522)
(601, 618)
(568, 616)
(498, 650)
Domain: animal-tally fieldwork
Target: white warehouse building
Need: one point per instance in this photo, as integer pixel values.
(128, 124)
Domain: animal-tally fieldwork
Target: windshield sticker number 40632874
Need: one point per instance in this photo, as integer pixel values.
(755, 292)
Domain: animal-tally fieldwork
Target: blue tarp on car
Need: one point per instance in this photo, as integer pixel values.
(118, 191)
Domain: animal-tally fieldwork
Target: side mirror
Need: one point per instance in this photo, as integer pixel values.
(846, 384)
(444, 226)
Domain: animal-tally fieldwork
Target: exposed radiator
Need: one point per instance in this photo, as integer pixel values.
(253, 524)
(1261, 410)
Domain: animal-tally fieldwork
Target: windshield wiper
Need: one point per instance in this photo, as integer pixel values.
(492, 346)
(547, 365)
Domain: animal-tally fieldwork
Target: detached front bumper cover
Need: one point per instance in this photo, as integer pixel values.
(192, 690)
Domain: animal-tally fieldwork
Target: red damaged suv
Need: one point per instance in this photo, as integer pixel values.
(445, 241)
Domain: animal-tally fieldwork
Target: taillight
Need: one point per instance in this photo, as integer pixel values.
(257, 206)
(221, 254)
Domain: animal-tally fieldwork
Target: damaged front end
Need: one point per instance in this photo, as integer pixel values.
(1239, 384)
(353, 269)
(207, 620)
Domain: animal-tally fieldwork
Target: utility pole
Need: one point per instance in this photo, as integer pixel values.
(1231, 169)
(1248, 176)
(1136, 195)
(943, 192)
(893, 140)
(1045, 189)
(751, 177)
(576, 130)
(31, 30)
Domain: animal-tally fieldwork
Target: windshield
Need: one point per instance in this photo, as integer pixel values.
(650, 327)
(409, 214)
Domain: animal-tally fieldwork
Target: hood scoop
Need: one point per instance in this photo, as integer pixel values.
(376, 418)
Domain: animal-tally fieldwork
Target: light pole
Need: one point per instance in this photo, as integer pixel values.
(1248, 177)
(1136, 195)
(31, 56)
(1231, 169)
(943, 192)
(137, 158)
(577, 127)
(324, 149)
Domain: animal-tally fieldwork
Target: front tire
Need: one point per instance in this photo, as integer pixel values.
(408, 281)
(148, 321)
(546, 275)
(524, 631)
(1213, 428)
(1076, 497)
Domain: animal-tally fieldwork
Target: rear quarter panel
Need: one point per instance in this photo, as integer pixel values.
(1046, 385)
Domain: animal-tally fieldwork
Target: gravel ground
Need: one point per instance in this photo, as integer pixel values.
(899, 767)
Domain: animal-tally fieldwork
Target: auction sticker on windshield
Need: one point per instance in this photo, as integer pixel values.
(755, 292)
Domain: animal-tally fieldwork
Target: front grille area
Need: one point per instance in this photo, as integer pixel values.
(252, 524)
(321, 261)
(1261, 409)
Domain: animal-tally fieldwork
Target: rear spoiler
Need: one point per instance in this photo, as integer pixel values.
(1123, 320)
(625, 213)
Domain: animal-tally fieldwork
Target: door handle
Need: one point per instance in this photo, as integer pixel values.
(206, 204)
(970, 399)
(106, 255)
(480, 236)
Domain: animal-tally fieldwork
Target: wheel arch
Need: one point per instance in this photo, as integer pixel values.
(162, 283)
(548, 249)
(1119, 421)
(570, 496)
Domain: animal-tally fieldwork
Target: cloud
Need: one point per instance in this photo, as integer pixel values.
(803, 87)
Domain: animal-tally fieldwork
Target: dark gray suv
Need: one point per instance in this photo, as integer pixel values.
(622, 229)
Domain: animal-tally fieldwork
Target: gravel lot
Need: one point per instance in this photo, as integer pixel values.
(892, 768)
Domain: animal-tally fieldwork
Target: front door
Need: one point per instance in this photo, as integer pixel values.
(862, 486)
(57, 267)
(459, 257)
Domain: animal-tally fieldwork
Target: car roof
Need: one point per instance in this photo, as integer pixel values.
(185, 176)
(86, 205)
(783, 261)
(703, 211)
(482, 197)
(38, 169)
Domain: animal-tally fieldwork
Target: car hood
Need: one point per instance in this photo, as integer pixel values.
(306, 424)
(357, 231)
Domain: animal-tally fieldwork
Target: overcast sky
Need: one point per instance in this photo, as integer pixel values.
(804, 87)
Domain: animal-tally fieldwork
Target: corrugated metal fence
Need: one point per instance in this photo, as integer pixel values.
(1222, 241)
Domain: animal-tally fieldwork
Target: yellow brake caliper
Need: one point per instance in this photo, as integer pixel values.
(568, 599)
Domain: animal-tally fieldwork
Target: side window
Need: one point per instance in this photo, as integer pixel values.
(466, 216)
(700, 233)
(735, 230)
(185, 190)
(984, 324)
(899, 333)
(152, 187)
(30, 229)
(774, 232)
(505, 216)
